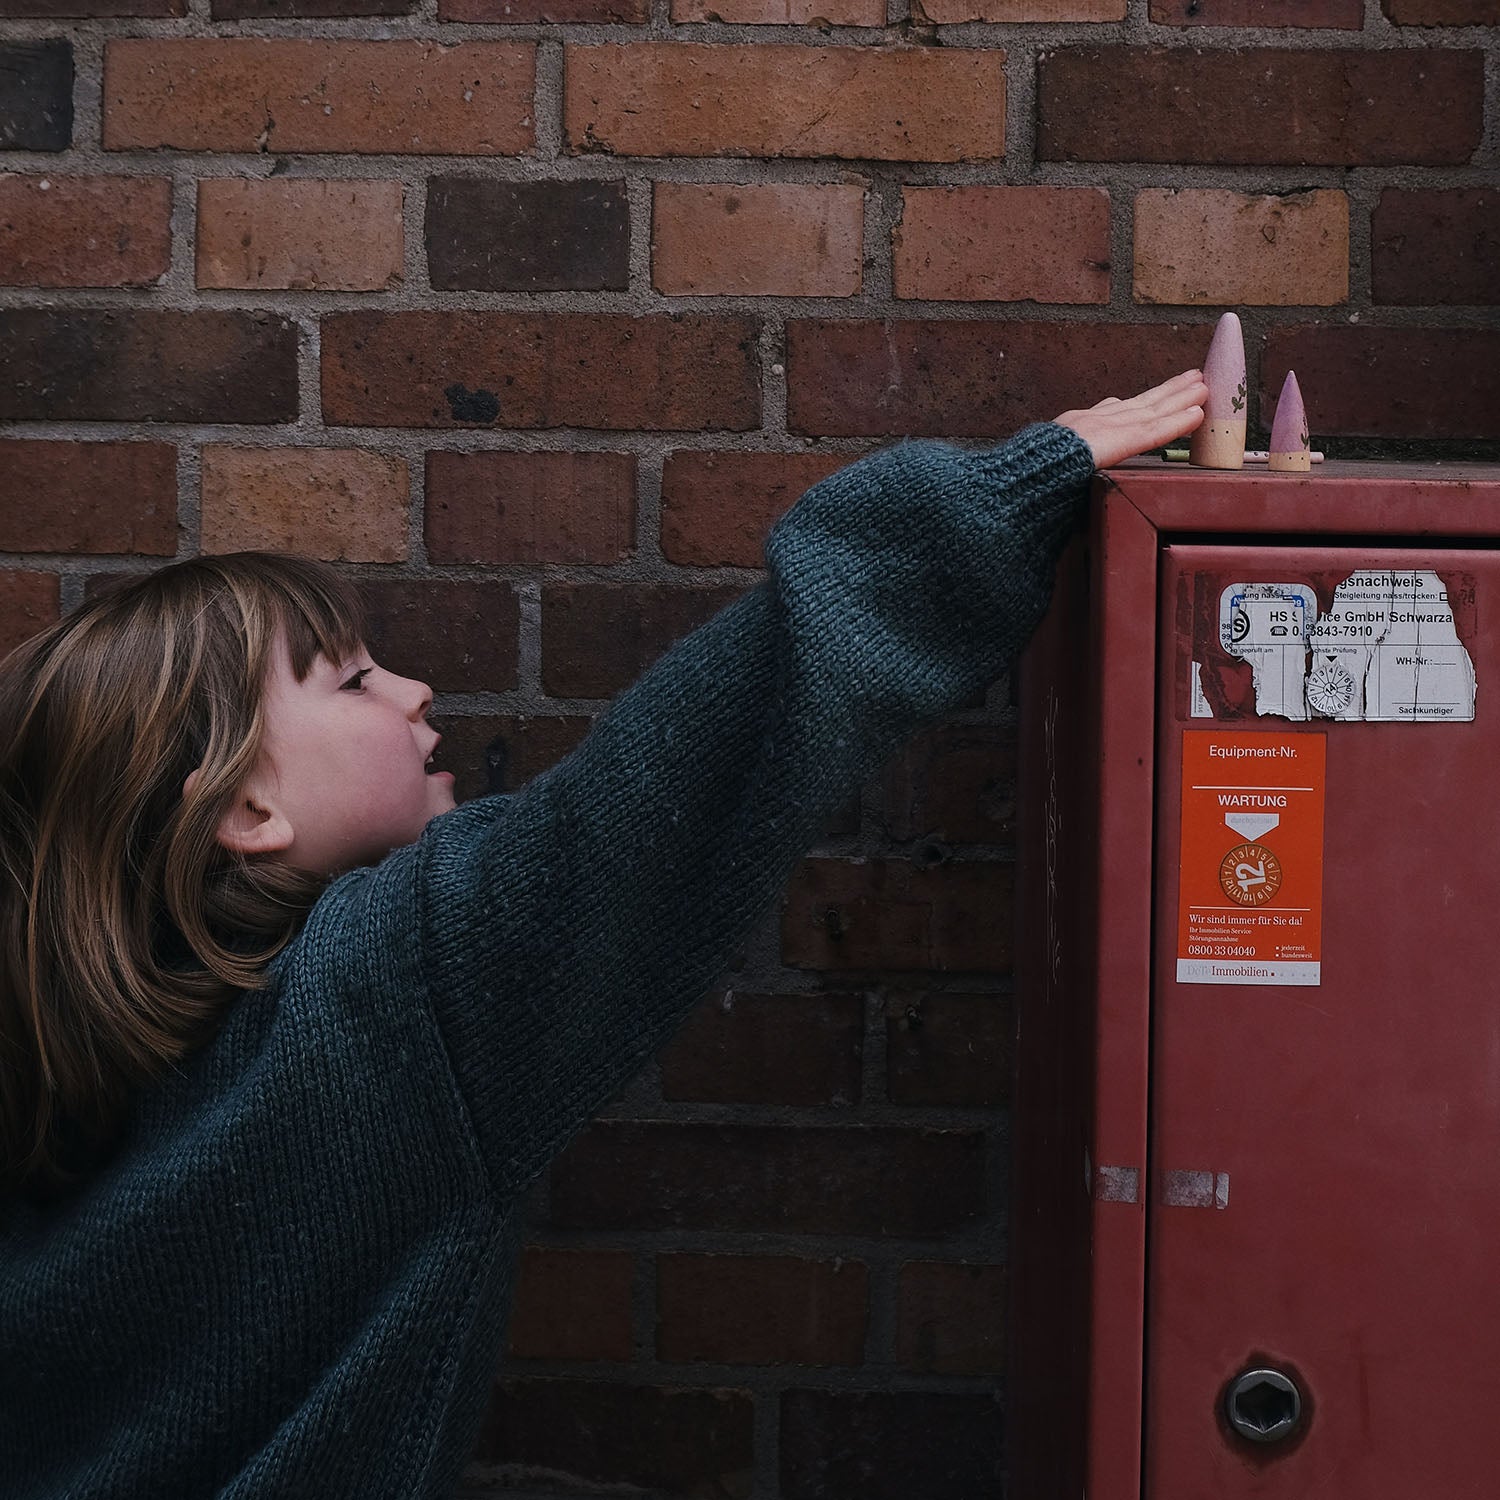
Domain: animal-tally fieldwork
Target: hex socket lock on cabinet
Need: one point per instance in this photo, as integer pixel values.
(1263, 1406)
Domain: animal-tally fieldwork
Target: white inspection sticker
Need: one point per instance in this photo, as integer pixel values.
(1386, 651)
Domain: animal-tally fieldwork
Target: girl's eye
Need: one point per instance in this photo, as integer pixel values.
(359, 677)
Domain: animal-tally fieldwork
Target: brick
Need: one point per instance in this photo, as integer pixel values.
(1389, 382)
(465, 752)
(1234, 106)
(1343, 15)
(133, 364)
(97, 584)
(531, 12)
(951, 12)
(572, 1304)
(761, 1310)
(1442, 12)
(243, 10)
(844, 914)
(955, 783)
(740, 1048)
(36, 95)
(907, 104)
(717, 509)
(1436, 246)
(299, 233)
(527, 236)
(526, 745)
(782, 12)
(1217, 247)
(597, 638)
(84, 231)
(459, 637)
(1003, 244)
(530, 507)
(845, 821)
(962, 378)
(948, 1050)
(340, 504)
(889, 1445)
(57, 9)
(950, 1319)
(641, 1437)
(259, 94)
(89, 497)
(501, 752)
(846, 1180)
(681, 371)
(29, 602)
(778, 240)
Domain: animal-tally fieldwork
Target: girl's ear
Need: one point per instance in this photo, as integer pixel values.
(248, 828)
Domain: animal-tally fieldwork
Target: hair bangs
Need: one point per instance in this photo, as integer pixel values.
(318, 613)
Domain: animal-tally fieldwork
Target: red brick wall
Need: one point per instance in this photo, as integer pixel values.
(535, 314)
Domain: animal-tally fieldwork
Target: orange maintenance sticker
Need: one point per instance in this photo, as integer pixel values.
(1251, 908)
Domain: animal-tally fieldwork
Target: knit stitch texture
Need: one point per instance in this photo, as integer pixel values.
(293, 1277)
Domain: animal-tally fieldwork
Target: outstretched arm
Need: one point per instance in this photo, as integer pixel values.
(565, 931)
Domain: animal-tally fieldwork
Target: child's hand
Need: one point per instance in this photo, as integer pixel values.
(1116, 430)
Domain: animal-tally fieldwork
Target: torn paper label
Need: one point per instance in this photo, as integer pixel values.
(1195, 1189)
(1267, 625)
(1387, 651)
(1201, 708)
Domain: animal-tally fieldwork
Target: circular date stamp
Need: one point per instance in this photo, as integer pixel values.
(1250, 874)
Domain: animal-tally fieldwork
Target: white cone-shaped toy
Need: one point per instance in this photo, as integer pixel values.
(1219, 439)
(1289, 451)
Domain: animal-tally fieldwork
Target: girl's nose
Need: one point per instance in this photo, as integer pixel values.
(417, 691)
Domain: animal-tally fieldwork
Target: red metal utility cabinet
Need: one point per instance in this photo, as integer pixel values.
(1256, 1232)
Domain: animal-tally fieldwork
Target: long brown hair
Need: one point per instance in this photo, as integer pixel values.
(126, 929)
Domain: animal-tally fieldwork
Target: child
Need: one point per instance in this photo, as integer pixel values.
(284, 1036)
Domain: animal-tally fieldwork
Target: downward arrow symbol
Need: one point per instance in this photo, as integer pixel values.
(1251, 825)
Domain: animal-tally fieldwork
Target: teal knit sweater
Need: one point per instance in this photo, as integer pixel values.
(293, 1277)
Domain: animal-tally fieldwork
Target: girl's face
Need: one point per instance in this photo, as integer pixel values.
(342, 779)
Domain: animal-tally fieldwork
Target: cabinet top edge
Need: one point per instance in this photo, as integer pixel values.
(1347, 495)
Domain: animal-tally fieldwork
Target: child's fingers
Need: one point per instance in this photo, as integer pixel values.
(1174, 424)
(1170, 388)
(1170, 395)
(1116, 430)
(1172, 400)
(1120, 432)
(1174, 394)
(1166, 427)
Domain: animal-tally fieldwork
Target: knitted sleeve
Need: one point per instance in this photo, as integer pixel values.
(566, 930)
